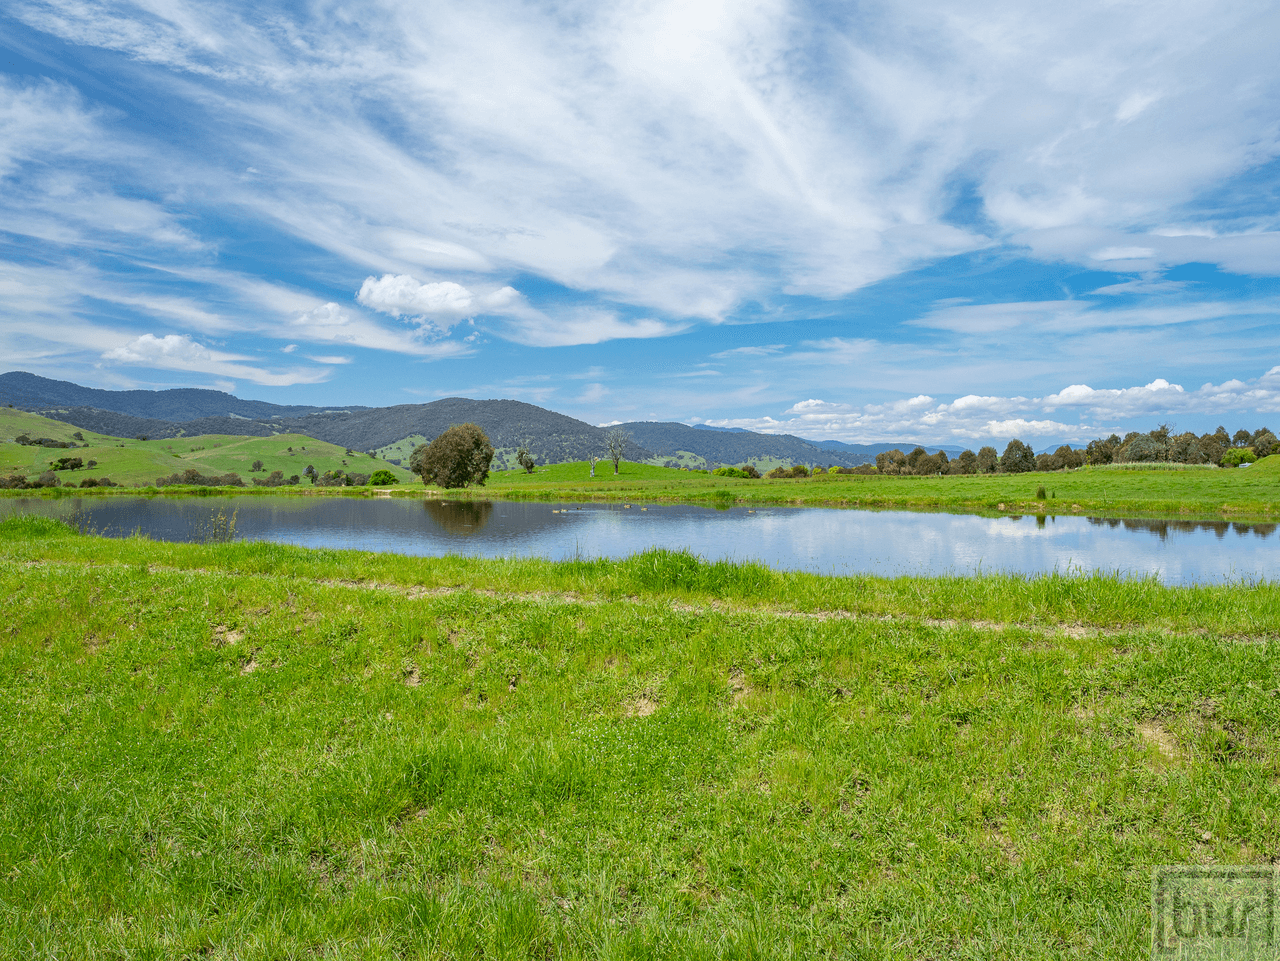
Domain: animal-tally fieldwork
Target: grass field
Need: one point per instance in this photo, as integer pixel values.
(129, 461)
(257, 751)
(1252, 492)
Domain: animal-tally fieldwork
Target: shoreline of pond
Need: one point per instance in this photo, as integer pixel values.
(714, 498)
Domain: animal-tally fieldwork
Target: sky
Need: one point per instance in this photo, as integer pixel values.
(937, 222)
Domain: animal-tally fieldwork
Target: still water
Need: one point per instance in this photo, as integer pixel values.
(821, 540)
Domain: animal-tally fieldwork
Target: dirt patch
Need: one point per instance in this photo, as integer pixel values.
(224, 636)
(412, 677)
(643, 707)
(1160, 739)
(250, 665)
(739, 687)
(999, 839)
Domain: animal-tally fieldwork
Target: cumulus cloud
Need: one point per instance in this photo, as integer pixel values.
(180, 352)
(442, 304)
(974, 418)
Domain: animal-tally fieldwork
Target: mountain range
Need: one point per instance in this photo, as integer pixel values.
(393, 431)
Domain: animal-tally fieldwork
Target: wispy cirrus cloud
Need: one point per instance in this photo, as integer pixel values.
(180, 352)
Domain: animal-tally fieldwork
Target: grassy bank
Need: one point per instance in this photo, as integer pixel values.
(250, 750)
(1251, 494)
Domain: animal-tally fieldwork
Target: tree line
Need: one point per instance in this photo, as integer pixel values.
(1161, 445)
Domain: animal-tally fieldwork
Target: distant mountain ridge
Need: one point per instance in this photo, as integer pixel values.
(30, 391)
(552, 437)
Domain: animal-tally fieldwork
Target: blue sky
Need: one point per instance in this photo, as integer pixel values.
(924, 221)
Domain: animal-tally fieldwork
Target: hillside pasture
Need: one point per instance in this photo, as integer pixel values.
(129, 461)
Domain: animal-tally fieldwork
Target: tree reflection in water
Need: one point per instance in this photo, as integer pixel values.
(460, 517)
(1161, 528)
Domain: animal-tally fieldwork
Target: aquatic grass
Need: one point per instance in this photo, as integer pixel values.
(1098, 599)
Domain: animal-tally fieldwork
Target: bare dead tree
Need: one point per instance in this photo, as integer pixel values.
(615, 443)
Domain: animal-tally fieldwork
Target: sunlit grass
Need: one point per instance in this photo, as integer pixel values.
(249, 750)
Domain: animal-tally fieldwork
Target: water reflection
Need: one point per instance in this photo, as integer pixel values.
(464, 518)
(1163, 528)
(824, 541)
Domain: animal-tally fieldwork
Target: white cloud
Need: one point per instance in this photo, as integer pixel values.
(444, 303)
(764, 350)
(975, 419)
(180, 352)
(1123, 253)
(586, 326)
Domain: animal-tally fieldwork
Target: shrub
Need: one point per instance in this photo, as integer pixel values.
(47, 479)
(357, 480)
(331, 478)
(274, 479)
(1237, 456)
(257, 466)
(14, 482)
(88, 482)
(799, 470)
(92, 463)
(458, 457)
(381, 477)
(1041, 494)
(78, 436)
(524, 458)
(67, 463)
(735, 472)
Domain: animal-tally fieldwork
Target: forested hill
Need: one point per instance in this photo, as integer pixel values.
(738, 446)
(552, 437)
(31, 392)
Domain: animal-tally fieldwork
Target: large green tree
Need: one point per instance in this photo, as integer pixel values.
(457, 458)
(1018, 458)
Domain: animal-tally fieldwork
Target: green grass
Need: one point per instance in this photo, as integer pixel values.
(259, 751)
(1250, 493)
(129, 461)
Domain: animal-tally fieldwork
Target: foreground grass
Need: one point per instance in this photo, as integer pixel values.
(252, 750)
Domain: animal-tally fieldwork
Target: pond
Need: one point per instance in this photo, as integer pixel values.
(821, 540)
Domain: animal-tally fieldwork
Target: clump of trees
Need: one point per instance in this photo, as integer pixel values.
(382, 476)
(276, 479)
(193, 478)
(799, 470)
(67, 463)
(459, 457)
(337, 478)
(26, 441)
(18, 482)
(748, 471)
(1162, 445)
